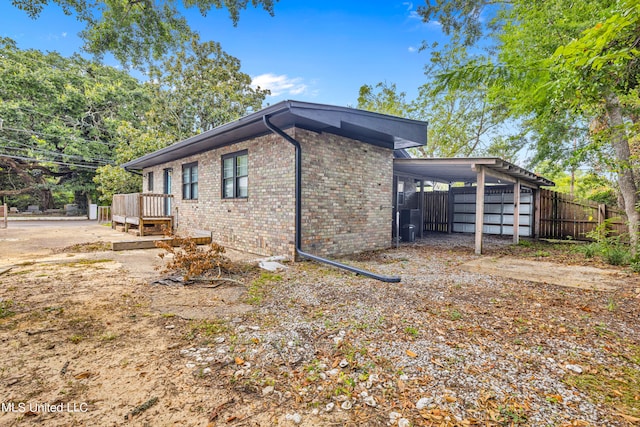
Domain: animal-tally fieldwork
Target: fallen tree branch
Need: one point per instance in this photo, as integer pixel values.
(218, 409)
(141, 408)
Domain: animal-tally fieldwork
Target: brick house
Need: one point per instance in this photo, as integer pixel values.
(238, 181)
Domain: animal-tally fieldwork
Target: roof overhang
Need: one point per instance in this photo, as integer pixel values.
(450, 170)
(373, 128)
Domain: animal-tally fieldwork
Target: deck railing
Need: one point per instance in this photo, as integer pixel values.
(141, 205)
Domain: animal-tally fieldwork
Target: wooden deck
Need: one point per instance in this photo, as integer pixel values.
(142, 214)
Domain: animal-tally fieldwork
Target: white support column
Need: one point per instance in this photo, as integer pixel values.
(516, 212)
(479, 208)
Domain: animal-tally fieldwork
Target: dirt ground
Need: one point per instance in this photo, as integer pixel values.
(88, 340)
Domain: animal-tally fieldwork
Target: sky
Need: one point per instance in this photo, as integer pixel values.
(313, 50)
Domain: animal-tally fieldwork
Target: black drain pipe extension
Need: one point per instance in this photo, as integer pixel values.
(296, 144)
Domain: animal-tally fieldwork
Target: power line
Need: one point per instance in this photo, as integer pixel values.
(48, 161)
(56, 153)
(69, 121)
(61, 156)
(71, 137)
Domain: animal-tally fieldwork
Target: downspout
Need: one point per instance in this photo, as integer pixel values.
(298, 213)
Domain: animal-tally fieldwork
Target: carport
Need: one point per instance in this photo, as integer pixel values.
(475, 175)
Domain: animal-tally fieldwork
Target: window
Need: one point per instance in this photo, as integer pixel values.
(235, 175)
(150, 181)
(190, 181)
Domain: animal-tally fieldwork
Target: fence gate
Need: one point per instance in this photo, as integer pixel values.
(436, 211)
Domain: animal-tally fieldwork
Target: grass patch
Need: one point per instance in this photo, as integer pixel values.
(98, 246)
(616, 386)
(455, 315)
(410, 330)
(85, 262)
(5, 309)
(256, 291)
(19, 273)
(207, 328)
(618, 389)
(109, 336)
(76, 338)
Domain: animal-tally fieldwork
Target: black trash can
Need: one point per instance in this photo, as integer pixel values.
(408, 233)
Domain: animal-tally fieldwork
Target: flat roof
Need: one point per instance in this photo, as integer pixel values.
(373, 128)
(449, 170)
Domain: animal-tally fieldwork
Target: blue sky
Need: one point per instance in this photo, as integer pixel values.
(313, 50)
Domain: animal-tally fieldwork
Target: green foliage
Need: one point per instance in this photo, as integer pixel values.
(207, 328)
(199, 88)
(614, 387)
(137, 32)
(256, 291)
(115, 180)
(385, 98)
(5, 309)
(590, 185)
(613, 249)
(462, 120)
(565, 71)
(59, 121)
(68, 121)
(410, 330)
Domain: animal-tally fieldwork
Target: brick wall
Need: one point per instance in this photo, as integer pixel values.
(346, 196)
(346, 201)
(263, 223)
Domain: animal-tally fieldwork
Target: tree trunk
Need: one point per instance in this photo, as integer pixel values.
(80, 199)
(626, 179)
(46, 199)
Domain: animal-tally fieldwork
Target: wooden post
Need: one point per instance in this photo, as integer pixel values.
(479, 208)
(450, 208)
(537, 212)
(422, 208)
(516, 212)
(5, 216)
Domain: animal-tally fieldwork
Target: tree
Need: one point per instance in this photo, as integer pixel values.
(564, 68)
(136, 31)
(59, 117)
(462, 121)
(386, 100)
(199, 88)
(196, 89)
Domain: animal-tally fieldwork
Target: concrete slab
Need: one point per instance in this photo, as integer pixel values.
(573, 276)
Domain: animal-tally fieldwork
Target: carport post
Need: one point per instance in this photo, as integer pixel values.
(479, 207)
(516, 212)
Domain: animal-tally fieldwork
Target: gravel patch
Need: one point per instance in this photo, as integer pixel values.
(443, 347)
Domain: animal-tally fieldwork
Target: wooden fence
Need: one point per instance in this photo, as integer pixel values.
(436, 211)
(104, 214)
(562, 217)
(4, 213)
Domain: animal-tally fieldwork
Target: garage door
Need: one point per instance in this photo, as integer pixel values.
(498, 211)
